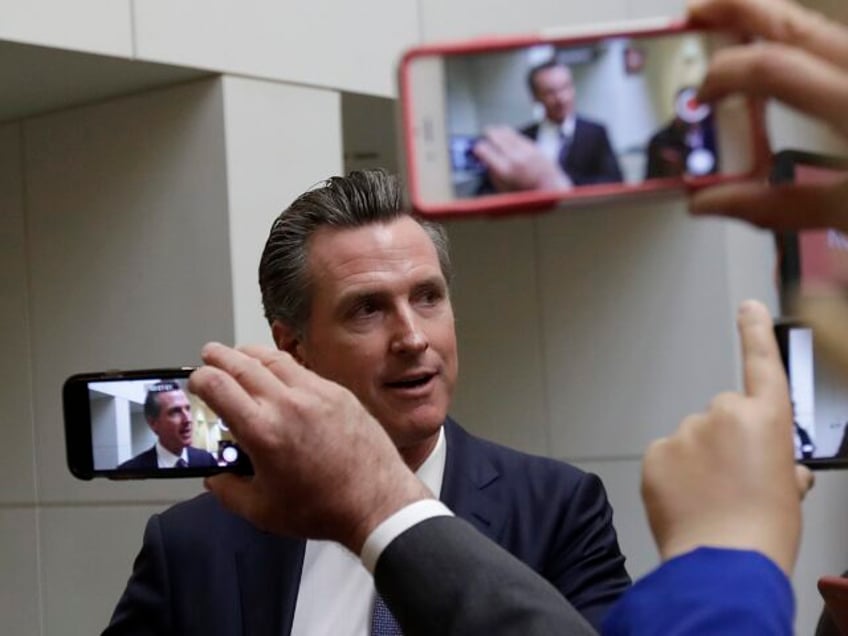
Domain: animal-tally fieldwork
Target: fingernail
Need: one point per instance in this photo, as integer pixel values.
(748, 306)
(209, 348)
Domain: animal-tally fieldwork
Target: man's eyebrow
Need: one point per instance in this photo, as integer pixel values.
(432, 282)
(348, 298)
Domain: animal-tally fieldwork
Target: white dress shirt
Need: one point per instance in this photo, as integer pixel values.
(166, 459)
(551, 136)
(336, 591)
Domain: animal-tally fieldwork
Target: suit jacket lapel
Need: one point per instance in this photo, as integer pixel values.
(471, 481)
(269, 571)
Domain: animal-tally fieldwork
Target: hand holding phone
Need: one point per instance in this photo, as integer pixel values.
(801, 59)
(144, 423)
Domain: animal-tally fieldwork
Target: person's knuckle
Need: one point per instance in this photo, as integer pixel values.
(725, 405)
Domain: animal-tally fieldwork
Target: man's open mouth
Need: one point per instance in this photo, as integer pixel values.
(412, 381)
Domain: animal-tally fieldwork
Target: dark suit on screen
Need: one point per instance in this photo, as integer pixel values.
(590, 159)
(148, 460)
(202, 570)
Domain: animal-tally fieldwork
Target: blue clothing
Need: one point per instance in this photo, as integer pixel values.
(707, 591)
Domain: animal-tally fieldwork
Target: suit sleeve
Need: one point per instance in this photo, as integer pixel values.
(144, 607)
(443, 577)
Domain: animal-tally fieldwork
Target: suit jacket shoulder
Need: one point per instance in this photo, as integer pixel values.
(203, 570)
(553, 516)
(199, 457)
(147, 459)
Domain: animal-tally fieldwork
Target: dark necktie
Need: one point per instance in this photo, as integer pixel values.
(181, 463)
(383, 623)
(563, 149)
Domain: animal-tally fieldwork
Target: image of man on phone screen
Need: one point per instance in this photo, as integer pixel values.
(168, 413)
(567, 150)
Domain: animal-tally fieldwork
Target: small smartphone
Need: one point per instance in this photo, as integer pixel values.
(144, 424)
(523, 123)
(819, 399)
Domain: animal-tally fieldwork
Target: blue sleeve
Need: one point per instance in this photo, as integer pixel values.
(707, 591)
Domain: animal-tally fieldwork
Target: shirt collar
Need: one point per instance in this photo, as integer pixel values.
(432, 470)
(566, 127)
(166, 459)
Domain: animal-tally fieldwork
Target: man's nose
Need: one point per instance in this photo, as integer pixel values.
(408, 337)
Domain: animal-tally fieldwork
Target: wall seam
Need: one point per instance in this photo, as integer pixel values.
(540, 338)
(133, 35)
(22, 144)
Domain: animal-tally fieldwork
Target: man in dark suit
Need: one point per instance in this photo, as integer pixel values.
(580, 146)
(440, 576)
(356, 290)
(570, 150)
(168, 413)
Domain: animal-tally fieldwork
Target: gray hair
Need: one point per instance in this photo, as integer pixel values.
(361, 198)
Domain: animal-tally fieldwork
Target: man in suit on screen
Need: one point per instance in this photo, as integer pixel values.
(567, 149)
(168, 413)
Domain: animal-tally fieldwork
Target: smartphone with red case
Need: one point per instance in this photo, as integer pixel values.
(519, 123)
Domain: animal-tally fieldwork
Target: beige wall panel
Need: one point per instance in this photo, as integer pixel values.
(20, 601)
(637, 329)
(501, 389)
(129, 254)
(95, 26)
(445, 19)
(346, 45)
(280, 141)
(16, 453)
(86, 558)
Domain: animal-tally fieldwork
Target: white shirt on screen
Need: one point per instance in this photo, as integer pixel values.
(551, 136)
(166, 459)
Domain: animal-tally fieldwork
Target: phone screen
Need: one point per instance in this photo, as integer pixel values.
(819, 400)
(144, 425)
(609, 113)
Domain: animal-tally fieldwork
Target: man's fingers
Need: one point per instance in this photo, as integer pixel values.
(280, 363)
(800, 79)
(763, 369)
(249, 372)
(491, 157)
(805, 479)
(784, 207)
(228, 399)
(778, 20)
(237, 494)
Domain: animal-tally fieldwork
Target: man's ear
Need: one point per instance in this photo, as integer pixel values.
(287, 339)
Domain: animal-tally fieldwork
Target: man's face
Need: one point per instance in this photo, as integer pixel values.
(554, 89)
(381, 324)
(173, 425)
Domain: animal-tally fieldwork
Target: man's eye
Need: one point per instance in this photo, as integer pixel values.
(430, 297)
(365, 308)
